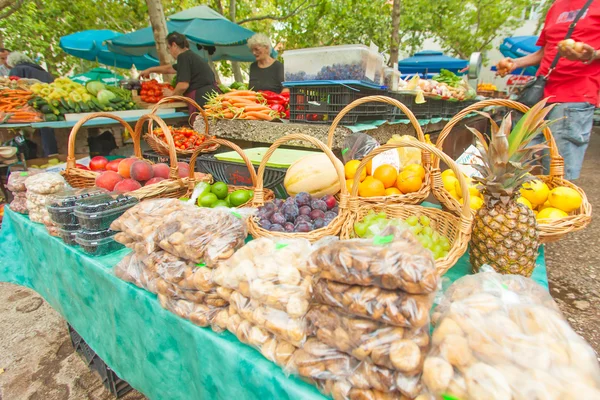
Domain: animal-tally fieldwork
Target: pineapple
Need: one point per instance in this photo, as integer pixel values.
(505, 234)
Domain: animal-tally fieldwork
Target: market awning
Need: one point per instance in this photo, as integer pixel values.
(520, 46)
(98, 74)
(203, 27)
(88, 45)
(429, 62)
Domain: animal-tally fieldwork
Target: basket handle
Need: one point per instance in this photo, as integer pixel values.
(226, 143)
(174, 170)
(186, 100)
(259, 190)
(557, 164)
(380, 99)
(466, 216)
(137, 150)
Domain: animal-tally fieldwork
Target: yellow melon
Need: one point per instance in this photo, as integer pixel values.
(314, 174)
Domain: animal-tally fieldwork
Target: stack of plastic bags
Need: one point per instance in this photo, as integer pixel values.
(40, 187)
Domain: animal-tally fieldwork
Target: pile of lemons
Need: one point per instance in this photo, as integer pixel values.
(453, 187)
(549, 205)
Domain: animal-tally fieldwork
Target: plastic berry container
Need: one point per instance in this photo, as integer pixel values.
(98, 243)
(68, 236)
(97, 213)
(61, 205)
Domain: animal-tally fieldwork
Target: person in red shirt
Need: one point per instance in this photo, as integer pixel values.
(574, 85)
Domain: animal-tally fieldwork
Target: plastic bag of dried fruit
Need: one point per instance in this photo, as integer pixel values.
(394, 262)
(206, 235)
(199, 314)
(45, 183)
(133, 269)
(503, 337)
(274, 272)
(181, 273)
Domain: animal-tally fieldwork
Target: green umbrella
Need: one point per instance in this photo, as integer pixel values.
(98, 74)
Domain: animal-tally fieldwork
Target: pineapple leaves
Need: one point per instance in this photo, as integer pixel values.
(529, 126)
(479, 136)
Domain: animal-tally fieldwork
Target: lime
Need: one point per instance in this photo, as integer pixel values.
(207, 200)
(184, 198)
(220, 190)
(239, 197)
(220, 203)
(228, 200)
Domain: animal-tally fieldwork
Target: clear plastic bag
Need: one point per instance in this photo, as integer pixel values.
(278, 322)
(503, 337)
(202, 234)
(343, 390)
(408, 155)
(133, 269)
(19, 203)
(199, 314)
(45, 183)
(391, 347)
(271, 271)
(186, 275)
(396, 261)
(16, 181)
(357, 146)
(173, 291)
(391, 307)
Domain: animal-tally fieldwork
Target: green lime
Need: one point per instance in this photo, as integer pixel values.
(184, 198)
(228, 200)
(207, 200)
(220, 203)
(239, 197)
(220, 190)
(250, 193)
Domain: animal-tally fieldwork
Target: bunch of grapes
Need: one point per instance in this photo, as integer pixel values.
(429, 238)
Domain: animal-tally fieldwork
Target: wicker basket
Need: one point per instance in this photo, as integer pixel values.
(550, 231)
(268, 193)
(173, 187)
(333, 228)
(159, 146)
(455, 225)
(408, 198)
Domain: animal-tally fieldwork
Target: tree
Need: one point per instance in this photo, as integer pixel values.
(8, 7)
(159, 30)
(463, 27)
(395, 40)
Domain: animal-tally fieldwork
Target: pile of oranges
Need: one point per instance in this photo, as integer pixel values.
(385, 180)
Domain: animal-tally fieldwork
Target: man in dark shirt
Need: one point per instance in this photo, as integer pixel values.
(266, 73)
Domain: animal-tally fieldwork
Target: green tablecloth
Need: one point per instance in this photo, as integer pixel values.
(158, 353)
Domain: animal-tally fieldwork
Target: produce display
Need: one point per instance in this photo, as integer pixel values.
(15, 107)
(64, 96)
(199, 314)
(424, 230)
(97, 213)
(39, 188)
(392, 262)
(503, 337)
(314, 174)
(505, 234)
(446, 86)
(451, 184)
(279, 103)
(549, 205)
(98, 247)
(184, 138)
(487, 87)
(219, 195)
(61, 206)
(233, 86)
(152, 91)
(302, 213)
(241, 104)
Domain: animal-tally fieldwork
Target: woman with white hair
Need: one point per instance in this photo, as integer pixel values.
(266, 73)
(24, 67)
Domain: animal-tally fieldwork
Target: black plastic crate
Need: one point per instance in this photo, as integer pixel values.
(437, 107)
(111, 381)
(421, 111)
(156, 158)
(237, 174)
(320, 104)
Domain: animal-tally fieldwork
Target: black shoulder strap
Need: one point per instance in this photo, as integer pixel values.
(570, 31)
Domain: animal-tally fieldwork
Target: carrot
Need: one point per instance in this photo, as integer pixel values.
(257, 107)
(259, 115)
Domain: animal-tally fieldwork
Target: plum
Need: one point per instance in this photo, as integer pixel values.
(330, 201)
(290, 212)
(336, 210)
(319, 223)
(304, 227)
(277, 203)
(276, 228)
(278, 218)
(317, 214)
(305, 210)
(303, 199)
(288, 226)
(330, 215)
(319, 205)
(303, 218)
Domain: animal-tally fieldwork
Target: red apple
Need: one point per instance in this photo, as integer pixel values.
(114, 165)
(81, 166)
(98, 163)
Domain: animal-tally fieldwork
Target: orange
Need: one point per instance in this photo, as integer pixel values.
(349, 184)
(370, 188)
(370, 167)
(350, 170)
(417, 168)
(386, 174)
(391, 191)
(408, 182)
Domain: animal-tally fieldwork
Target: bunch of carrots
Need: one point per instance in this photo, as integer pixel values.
(14, 107)
(240, 104)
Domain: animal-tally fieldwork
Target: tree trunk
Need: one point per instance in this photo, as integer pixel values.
(395, 41)
(159, 29)
(212, 65)
(235, 66)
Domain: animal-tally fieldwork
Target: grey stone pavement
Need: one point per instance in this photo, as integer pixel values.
(37, 361)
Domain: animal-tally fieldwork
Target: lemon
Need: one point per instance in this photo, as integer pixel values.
(417, 168)
(551, 214)
(453, 194)
(565, 198)
(448, 172)
(350, 170)
(475, 203)
(525, 202)
(420, 97)
(450, 182)
(545, 205)
(535, 191)
(473, 191)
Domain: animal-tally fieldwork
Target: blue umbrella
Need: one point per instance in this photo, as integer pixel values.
(206, 29)
(429, 61)
(88, 45)
(520, 46)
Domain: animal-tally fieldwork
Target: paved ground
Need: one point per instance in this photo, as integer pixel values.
(37, 361)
